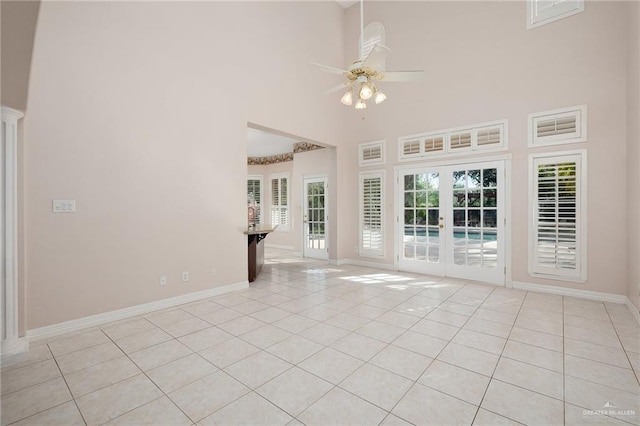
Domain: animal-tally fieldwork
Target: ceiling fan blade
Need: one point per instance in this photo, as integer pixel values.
(332, 70)
(338, 87)
(376, 57)
(402, 75)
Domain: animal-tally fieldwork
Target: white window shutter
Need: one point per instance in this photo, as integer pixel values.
(460, 140)
(372, 153)
(254, 195)
(372, 214)
(558, 234)
(434, 143)
(560, 126)
(489, 136)
(280, 202)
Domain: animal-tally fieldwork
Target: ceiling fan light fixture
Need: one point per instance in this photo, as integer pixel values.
(366, 91)
(361, 104)
(379, 97)
(347, 98)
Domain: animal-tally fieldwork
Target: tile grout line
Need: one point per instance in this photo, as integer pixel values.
(73, 398)
(620, 340)
(151, 380)
(496, 367)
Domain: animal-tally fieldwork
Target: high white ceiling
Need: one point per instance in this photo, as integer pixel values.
(265, 144)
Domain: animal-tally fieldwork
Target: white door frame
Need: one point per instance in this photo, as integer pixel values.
(313, 253)
(507, 227)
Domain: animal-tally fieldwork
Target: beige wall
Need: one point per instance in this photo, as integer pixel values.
(138, 111)
(142, 120)
(486, 67)
(633, 149)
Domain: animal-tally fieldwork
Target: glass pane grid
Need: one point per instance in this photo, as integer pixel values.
(421, 237)
(475, 217)
(315, 216)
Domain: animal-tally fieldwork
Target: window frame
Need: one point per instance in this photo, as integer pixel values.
(551, 15)
(362, 250)
(447, 151)
(281, 227)
(580, 135)
(259, 178)
(362, 162)
(579, 274)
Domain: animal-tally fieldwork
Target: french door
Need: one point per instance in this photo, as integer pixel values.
(315, 218)
(451, 221)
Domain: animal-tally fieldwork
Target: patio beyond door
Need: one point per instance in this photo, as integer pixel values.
(451, 221)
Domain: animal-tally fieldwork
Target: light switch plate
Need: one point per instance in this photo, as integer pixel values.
(64, 206)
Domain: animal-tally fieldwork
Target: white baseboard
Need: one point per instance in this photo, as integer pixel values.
(93, 320)
(633, 309)
(278, 246)
(385, 266)
(572, 292)
(14, 351)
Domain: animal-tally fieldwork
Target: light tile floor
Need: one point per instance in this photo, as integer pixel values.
(314, 344)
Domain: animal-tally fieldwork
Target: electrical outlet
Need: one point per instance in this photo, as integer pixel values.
(213, 272)
(163, 280)
(185, 277)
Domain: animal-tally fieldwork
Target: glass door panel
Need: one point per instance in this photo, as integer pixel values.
(421, 245)
(449, 221)
(476, 243)
(315, 241)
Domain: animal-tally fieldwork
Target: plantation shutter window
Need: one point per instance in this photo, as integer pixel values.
(487, 137)
(254, 197)
(561, 126)
(434, 144)
(558, 246)
(280, 202)
(372, 216)
(372, 153)
(460, 140)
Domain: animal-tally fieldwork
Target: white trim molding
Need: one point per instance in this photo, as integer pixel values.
(634, 311)
(571, 292)
(14, 348)
(99, 319)
(541, 12)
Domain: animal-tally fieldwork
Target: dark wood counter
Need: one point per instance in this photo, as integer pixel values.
(255, 255)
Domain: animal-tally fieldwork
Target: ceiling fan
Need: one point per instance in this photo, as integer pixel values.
(364, 72)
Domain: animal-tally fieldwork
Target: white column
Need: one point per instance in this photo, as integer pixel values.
(14, 348)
